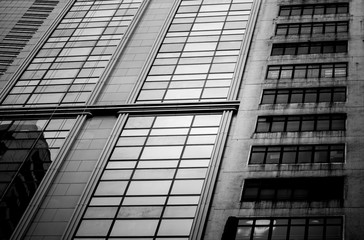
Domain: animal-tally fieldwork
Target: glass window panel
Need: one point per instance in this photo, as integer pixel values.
(304, 157)
(100, 212)
(289, 157)
(149, 187)
(178, 200)
(132, 227)
(179, 227)
(157, 164)
(108, 201)
(191, 173)
(116, 174)
(154, 174)
(173, 121)
(165, 152)
(187, 187)
(207, 120)
(110, 188)
(164, 140)
(198, 151)
(94, 228)
(140, 212)
(126, 153)
(180, 211)
(128, 201)
(297, 232)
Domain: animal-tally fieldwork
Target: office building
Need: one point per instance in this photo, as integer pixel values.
(185, 119)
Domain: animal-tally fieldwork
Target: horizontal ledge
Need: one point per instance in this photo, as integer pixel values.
(107, 110)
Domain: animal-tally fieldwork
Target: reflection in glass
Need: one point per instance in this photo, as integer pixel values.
(156, 171)
(27, 149)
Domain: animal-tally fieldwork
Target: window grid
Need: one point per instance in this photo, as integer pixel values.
(301, 123)
(293, 189)
(305, 228)
(304, 95)
(279, 49)
(297, 154)
(322, 70)
(197, 58)
(314, 9)
(312, 28)
(27, 149)
(68, 66)
(153, 178)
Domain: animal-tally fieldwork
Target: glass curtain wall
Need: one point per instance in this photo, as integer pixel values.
(27, 149)
(197, 58)
(66, 69)
(152, 182)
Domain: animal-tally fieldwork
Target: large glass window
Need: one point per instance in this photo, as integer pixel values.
(292, 228)
(27, 149)
(153, 179)
(66, 69)
(197, 58)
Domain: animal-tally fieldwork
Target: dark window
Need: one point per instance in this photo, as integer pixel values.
(314, 9)
(293, 154)
(311, 28)
(318, 228)
(309, 48)
(293, 189)
(304, 95)
(301, 123)
(323, 70)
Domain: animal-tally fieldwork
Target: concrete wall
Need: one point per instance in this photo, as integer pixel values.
(235, 169)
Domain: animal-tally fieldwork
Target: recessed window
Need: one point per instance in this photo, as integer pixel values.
(303, 95)
(293, 189)
(297, 154)
(301, 123)
(321, 70)
(312, 28)
(314, 9)
(268, 228)
(309, 48)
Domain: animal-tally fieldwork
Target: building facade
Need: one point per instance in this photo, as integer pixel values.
(184, 119)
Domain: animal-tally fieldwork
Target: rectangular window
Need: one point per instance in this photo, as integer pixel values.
(314, 9)
(312, 28)
(321, 70)
(293, 189)
(304, 95)
(297, 154)
(318, 228)
(301, 123)
(279, 49)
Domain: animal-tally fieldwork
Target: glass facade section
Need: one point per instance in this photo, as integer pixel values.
(197, 58)
(27, 149)
(314, 9)
(293, 228)
(66, 69)
(152, 182)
